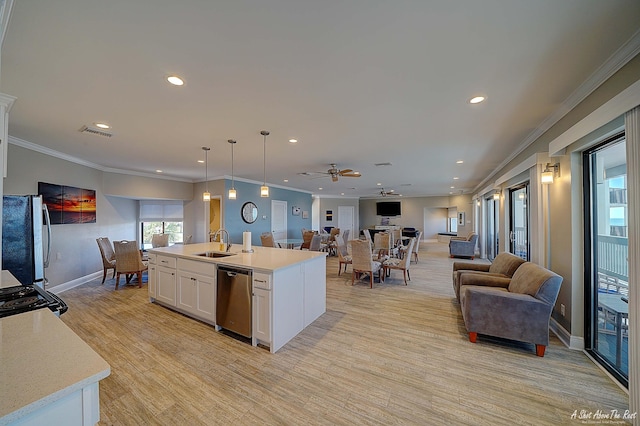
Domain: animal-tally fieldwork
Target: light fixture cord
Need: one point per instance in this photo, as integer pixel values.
(232, 186)
(264, 160)
(206, 170)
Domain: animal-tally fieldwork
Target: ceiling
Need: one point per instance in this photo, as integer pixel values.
(357, 82)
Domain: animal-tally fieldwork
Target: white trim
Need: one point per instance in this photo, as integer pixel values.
(75, 283)
(528, 163)
(612, 109)
(572, 342)
(612, 65)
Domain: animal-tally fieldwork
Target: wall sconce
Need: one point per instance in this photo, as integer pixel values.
(264, 189)
(549, 172)
(496, 195)
(232, 192)
(206, 196)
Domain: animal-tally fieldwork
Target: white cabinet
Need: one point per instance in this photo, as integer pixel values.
(261, 312)
(152, 279)
(196, 293)
(166, 285)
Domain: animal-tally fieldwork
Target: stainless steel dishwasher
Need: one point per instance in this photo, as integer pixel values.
(233, 300)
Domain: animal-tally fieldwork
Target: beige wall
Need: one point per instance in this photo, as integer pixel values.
(333, 204)
(141, 187)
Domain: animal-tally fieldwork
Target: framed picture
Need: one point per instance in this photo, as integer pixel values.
(329, 215)
(461, 218)
(68, 204)
(305, 214)
(295, 210)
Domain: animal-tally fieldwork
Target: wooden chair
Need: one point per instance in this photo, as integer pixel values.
(188, 239)
(361, 261)
(128, 261)
(316, 243)
(343, 254)
(416, 248)
(108, 256)
(266, 239)
(160, 240)
(381, 244)
(307, 236)
(401, 264)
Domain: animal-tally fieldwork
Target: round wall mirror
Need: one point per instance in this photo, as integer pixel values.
(249, 212)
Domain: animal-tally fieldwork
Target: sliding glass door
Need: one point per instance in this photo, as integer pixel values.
(491, 225)
(606, 256)
(519, 221)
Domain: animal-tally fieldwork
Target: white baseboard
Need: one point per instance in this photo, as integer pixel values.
(572, 342)
(74, 283)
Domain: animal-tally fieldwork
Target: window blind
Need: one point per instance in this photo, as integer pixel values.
(161, 211)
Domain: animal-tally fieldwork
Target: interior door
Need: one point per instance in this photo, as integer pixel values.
(346, 220)
(279, 219)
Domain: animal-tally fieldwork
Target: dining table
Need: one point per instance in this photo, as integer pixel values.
(289, 243)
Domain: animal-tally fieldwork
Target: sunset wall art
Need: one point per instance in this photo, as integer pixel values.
(68, 204)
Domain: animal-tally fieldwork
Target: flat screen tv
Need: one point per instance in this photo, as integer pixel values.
(388, 208)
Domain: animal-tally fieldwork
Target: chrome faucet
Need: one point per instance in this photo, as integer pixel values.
(228, 237)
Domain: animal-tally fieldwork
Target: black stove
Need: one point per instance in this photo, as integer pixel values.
(23, 298)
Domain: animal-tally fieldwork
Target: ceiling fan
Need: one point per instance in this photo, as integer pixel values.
(385, 193)
(334, 172)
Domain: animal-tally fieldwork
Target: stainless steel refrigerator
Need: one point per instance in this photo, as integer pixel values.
(25, 230)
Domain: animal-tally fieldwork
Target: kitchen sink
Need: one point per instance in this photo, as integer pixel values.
(215, 254)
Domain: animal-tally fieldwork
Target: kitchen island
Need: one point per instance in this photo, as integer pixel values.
(48, 374)
(288, 286)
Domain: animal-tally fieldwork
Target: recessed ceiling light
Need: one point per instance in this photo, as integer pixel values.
(286, 180)
(452, 187)
(379, 184)
(103, 125)
(456, 178)
(158, 171)
(476, 100)
(175, 80)
(293, 140)
(342, 193)
(459, 162)
(201, 161)
(320, 189)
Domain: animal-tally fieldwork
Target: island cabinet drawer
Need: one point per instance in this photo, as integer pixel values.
(168, 261)
(202, 268)
(261, 280)
(152, 258)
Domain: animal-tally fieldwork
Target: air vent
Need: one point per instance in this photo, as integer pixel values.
(382, 164)
(94, 131)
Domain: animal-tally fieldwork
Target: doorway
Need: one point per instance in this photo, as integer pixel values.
(519, 221)
(346, 220)
(279, 219)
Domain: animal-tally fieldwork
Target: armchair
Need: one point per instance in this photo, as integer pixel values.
(463, 248)
(504, 265)
(517, 308)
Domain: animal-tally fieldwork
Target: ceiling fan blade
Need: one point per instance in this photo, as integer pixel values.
(350, 174)
(345, 171)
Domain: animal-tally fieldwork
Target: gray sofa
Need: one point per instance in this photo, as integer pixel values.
(504, 265)
(517, 308)
(463, 247)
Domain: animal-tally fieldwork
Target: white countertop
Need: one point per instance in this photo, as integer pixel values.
(41, 361)
(264, 258)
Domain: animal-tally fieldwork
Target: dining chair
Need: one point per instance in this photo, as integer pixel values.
(108, 256)
(307, 236)
(188, 239)
(266, 239)
(344, 258)
(361, 261)
(417, 246)
(381, 244)
(367, 236)
(316, 243)
(128, 261)
(400, 264)
(159, 240)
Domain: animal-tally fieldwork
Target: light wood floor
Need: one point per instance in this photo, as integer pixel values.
(387, 355)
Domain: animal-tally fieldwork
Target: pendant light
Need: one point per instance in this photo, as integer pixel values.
(206, 196)
(232, 191)
(264, 189)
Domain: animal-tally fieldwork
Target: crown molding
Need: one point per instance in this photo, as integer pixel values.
(613, 64)
(52, 153)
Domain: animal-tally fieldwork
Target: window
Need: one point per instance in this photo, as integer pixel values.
(161, 217)
(519, 221)
(453, 224)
